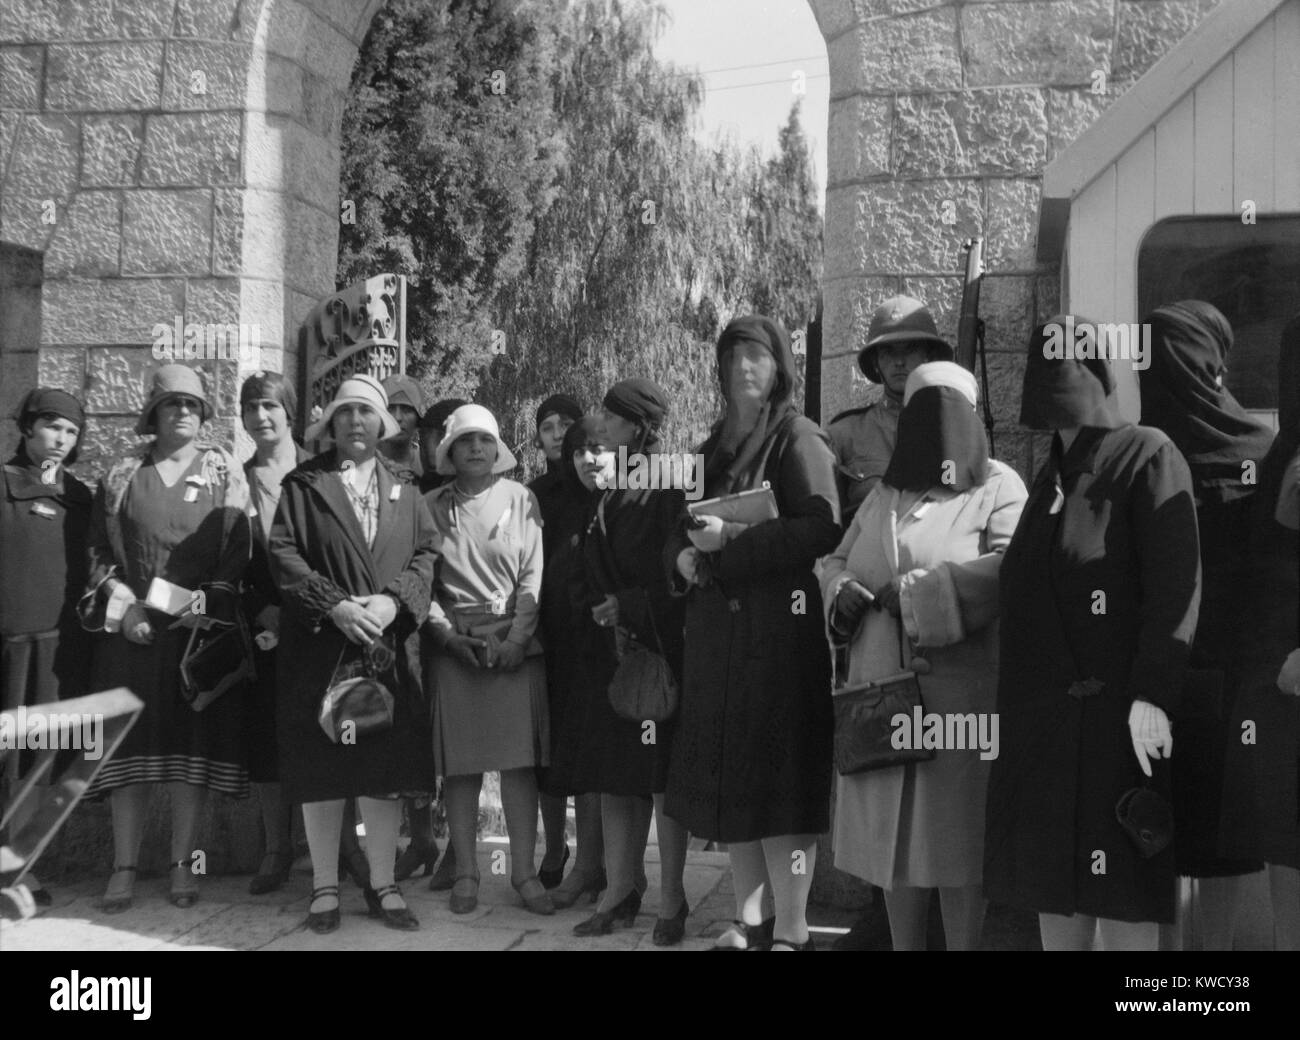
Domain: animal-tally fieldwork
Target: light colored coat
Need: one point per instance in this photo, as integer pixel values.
(923, 824)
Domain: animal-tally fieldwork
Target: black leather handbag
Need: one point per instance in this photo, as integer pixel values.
(216, 660)
(643, 688)
(864, 726)
(358, 701)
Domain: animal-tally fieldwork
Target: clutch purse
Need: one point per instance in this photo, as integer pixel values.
(358, 702)
(864, 727)
(215, 660)
(643, 687)
(1147, 819)
(744, 507)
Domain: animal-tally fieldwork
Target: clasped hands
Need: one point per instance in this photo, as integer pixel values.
(363, 618)
(854, 599)
(508, 657)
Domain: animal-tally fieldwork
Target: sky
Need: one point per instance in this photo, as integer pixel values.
(774, 40)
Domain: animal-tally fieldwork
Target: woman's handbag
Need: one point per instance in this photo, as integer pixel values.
(643, 688)
(864, 721)
(215, 660)
(1147, 819)
(358, 702)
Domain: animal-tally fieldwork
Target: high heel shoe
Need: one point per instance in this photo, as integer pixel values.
(117, 901)
(464, 895)
(400, 917)
(324, 921)
(184, 895)
(790, 944)
(445, 876)
(577, 885)
(669, 931)
(602, 921)
(755, 937)
(413, 859)
(551, 878)
(537, 902)
(269, 880)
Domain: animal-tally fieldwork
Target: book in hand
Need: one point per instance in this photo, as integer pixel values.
(744, 507)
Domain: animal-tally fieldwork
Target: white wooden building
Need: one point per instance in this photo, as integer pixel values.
(1189, 187)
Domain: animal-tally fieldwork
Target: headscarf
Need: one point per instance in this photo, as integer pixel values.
(1181, 396)
(728, 460)
(1060, 393)
(46, 400)
(559, 404)
(1287, 441)
(639, 401)
(270, 386)
(941, 441)
(582, 433)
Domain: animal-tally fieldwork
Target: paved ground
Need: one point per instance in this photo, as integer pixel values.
(228, 918)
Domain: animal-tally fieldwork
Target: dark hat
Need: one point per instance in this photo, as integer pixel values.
(405, 390)
(638, 400)
(47, 400)
(171, 381)
(901, 319)
(559, 404)
(437, 415)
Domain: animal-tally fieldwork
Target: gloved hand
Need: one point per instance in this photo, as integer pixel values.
(1288, 679)
(1148, 725)
(851, 603)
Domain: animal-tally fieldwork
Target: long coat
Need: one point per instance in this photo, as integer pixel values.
(752, 751)
(923, 824)
(1101, 581)
(319, 557)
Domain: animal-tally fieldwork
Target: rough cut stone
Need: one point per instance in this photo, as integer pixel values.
(313, 243)
(943, 296)
(916, 52)
(167, 232)
(900, 226)
(262, 304)
(858, 138)
(45, 158)
(38, 21)
(849, 304)
(116, 378)
(322, 105)
(212, 300)
(867, 9)
(1047, 296)
(20, 77)
(1011, 230)
(280, 90)
(104, 77)
(1006, 380)
(1041, 41)
(191, 149)
(227, 231)
(151, 18)
(984, 131)
(218, 70)
(833, 16)
(264, 236)
(1007, 307)
(88, 242)
(108, 310)
(1150, 28)
(287, 29)
(110, 150)
(1071, 112)
(214, 20)
(21, 219)
(64, 368)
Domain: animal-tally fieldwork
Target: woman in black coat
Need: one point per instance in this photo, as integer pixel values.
(751, 761)
(352, 550)
(1099, 594)
(44, 518)
(623, 586)
(1183, 395)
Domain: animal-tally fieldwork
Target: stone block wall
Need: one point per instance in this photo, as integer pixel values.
(942, 118)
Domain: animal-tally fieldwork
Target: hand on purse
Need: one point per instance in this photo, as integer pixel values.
(136, 625)
(509, 656)
(356, 622)
(462, 648)
(851, 605)
(887, 598)
(1149, 727)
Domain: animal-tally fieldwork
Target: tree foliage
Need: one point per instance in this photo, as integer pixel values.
(576, 211)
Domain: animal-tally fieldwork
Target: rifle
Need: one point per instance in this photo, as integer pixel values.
(970, 327)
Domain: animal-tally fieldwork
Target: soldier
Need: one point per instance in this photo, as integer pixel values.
(901, 336)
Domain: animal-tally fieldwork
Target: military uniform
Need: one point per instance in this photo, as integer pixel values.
(863, 440)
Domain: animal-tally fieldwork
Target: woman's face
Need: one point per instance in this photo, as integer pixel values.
(589, 462)
(474, 454)
(550, 434)
(178, 418)
(266, 421)
(617, 432)
(751, 373)
(356, 429)
(51, 439)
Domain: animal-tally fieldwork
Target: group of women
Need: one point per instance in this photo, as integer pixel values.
(1093, 618)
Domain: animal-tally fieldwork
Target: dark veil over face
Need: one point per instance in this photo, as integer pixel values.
(1065, 392)
(941, 443)
(1287, 442)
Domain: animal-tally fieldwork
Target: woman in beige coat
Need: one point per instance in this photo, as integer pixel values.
(923, 551)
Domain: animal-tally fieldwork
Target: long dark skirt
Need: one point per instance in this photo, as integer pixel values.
(170, 742)
(259, 721)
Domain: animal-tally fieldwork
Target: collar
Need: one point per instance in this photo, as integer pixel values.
(24, 484)
(891, 401)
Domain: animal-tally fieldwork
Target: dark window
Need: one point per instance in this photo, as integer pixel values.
(1251, 272)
